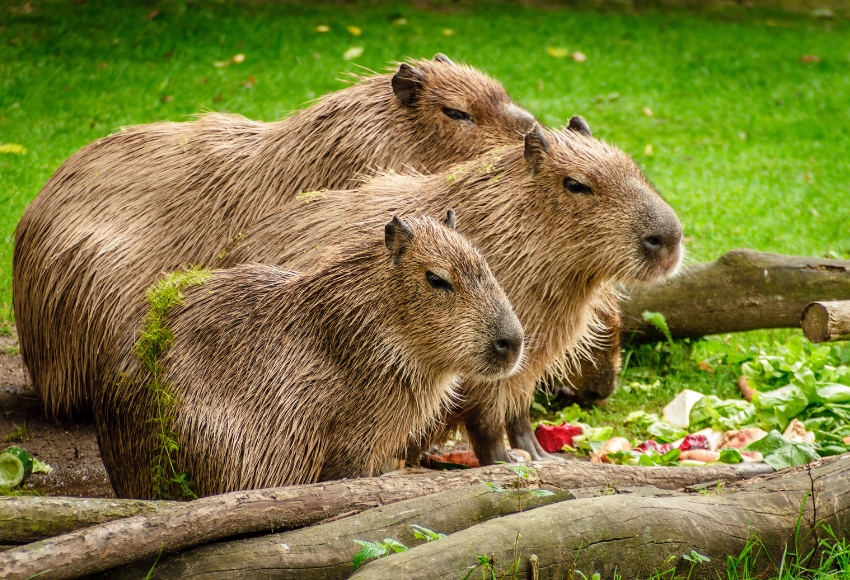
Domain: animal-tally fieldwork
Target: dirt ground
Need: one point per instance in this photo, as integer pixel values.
(69, 448)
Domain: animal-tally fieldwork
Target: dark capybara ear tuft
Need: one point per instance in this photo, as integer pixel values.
(579, 125)
(449, 222)
(397, 237)
(407, 83)
(440, 57)
(535, 146)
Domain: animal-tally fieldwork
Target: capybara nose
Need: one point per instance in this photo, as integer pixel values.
(652, 243)
(507, 347)
(663, 244)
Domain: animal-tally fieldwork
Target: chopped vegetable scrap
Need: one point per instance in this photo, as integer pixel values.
(16, 465)
(552, 438)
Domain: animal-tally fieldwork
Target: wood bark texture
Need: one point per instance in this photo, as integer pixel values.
(214, 518)
(743, 290)
(827, 321)
(635, 535)
(326, 551)
(25, 519)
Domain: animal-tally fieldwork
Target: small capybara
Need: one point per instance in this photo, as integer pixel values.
(282, 378)
(152, 198)
(558, 219)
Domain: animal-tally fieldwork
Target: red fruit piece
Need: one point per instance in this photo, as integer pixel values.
(652, 444)
(553, 437)
(694, 442)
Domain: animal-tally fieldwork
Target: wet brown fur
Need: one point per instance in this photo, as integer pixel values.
(154, 197)
(283, 378)
(554, 252)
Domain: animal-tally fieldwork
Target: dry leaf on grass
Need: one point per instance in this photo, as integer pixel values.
(13, 148)
(352, 52)
(810, 58)
(322, 28)
(354, 30)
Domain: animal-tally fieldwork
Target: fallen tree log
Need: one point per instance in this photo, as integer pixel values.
(209, 519)
(26, 519)
(827, 321)
(742, 290)
(634, 536)
(327, 551)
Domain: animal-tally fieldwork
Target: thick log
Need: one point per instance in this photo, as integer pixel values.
(743, 290)
(827, 321)
(327, 551)
(209, 519)
(26, 519)
(634, 535)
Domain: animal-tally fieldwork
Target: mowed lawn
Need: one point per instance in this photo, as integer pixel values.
(740, 117)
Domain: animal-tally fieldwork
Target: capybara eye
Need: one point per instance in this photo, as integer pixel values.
(574, 186)
(456, 114)
(437, 282)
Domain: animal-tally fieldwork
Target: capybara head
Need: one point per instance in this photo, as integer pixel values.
(614, 219)
(449, 307)
(458, 107)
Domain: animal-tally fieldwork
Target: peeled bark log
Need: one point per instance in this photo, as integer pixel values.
(633, 535)
(827, 321)
(26, 519)
(214, 518)
(327, 551)
(743, 290)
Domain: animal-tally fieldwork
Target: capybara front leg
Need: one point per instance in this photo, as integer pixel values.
(488, 441)
(522, 437)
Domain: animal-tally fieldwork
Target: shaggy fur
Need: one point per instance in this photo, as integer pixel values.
(553, 251)
(283, 378)
(154, 197)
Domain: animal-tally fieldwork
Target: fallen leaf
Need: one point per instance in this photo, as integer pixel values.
(27, 8)
(102, 66)
(558, 52)
(354, 30)
(448, 32)
(578, 56)
(810, 58)
(221, 63)
(13, 148)
(400, 21)
(352, 52)
(167, 55)
(217, 99)
(823, 13)
(704, 366)
(238, 58)
(648, 149)
(249, 84)
(647, 111)
(167, 98)
(152, 14)
(322, 28)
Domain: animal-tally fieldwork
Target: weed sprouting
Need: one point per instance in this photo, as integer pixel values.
(154, 340)
(19, 434)
(373, 550)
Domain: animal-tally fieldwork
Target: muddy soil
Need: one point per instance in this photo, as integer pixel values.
(69, 448)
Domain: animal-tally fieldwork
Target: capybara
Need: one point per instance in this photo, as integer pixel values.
(152, 198)
(557, 218)
(281, 378)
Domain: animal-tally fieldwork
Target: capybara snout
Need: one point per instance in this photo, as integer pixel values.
(661, 240)
(506, 348)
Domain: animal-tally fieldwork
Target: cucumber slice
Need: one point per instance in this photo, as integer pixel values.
(15, 465)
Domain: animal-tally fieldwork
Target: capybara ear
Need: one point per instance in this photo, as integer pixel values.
(449, 222)
(535, 146)
(440, 57)
(407, 83)
(397, 236)
(579, 125)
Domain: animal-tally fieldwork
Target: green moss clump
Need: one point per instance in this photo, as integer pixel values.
(154, 340)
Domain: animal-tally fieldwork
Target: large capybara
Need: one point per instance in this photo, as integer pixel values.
(558, 220)
(280, 378)
(154, 197)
